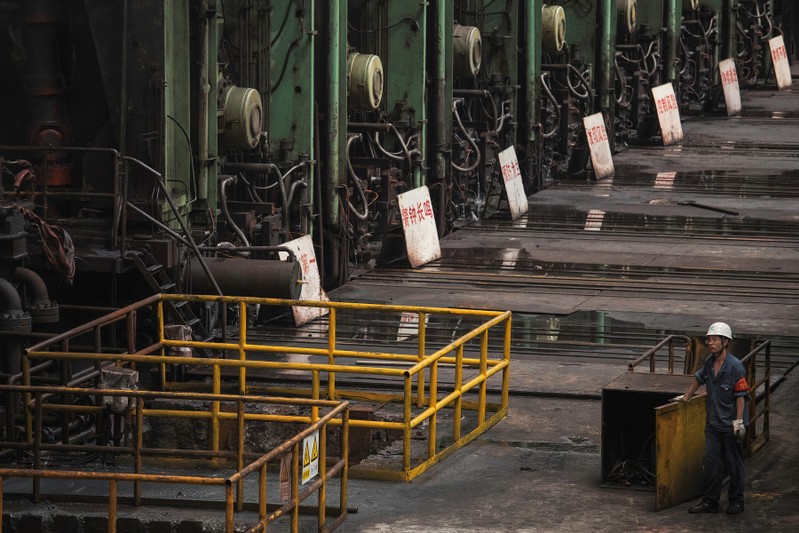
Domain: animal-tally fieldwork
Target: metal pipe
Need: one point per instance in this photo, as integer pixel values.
(225, 182)
(202, 106)
(10, 302)
(607, 55)
(336, 120)
(673, 28)
(189, 241)
(123, 80)
(35, 285)
(439, 110)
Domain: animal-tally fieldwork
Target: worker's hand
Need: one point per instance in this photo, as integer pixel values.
(680, 398)
(739, 430)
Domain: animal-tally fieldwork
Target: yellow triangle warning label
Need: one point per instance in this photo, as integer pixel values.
(315, 451)
(306, 459)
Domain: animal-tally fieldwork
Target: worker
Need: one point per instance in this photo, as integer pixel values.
(724, 378)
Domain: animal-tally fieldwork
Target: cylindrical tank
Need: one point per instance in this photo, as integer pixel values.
(248, 277)
(628, 15)
(364, 81)
(242, 118)
(553, 20)
(467, 51)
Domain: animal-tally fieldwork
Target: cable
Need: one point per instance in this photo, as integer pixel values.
(468, 138)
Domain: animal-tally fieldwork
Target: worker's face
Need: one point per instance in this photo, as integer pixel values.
(714, 344)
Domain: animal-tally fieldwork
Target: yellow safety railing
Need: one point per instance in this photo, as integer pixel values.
(44, 401)
(471, 362)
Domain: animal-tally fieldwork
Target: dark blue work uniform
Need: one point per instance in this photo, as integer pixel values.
(722, 451)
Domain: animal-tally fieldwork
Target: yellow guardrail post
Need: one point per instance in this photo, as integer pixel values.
(240, 454)
(242, 344)
(331, 350)
(160, 311)
(345, 456)
(481, 409)
(406, 431)
(456, 428)
(262, 518)
(322, 502)
(295, 486)
(506, 358)
(215, 409)
(431, 440)
(420, 357)
(229, 521)
(137, 461)
(112, 506)
(315, 386)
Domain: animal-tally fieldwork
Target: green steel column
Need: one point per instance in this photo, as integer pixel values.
(405, 59)
(177, 108)
(673, 29)
(607, 50)
(730, 32)
(533, 67)
(215, 24)
(441, 102)
(336, 57)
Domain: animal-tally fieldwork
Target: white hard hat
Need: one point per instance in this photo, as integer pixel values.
(720, 329)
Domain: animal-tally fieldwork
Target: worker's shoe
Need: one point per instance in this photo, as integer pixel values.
(705, 506)
(735, 508)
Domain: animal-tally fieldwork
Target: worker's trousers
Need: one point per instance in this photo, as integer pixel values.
(723, 455)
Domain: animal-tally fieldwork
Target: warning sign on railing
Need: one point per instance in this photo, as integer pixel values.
(779, 57)
(310, 457)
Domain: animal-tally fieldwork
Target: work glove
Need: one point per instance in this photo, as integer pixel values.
(680, 398)
(739, 430)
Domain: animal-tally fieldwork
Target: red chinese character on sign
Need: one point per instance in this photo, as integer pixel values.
(412, 214)
(420, 211)
(304, 263)
(428, 210)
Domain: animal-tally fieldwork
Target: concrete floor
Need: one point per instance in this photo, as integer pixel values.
(539, 470)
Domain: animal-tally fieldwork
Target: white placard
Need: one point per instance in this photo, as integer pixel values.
(668, 114)
(419, 226)
(512, 176)
(779, 57)
(729, 83)
(598, 143)
(310, 457)
(311, 280)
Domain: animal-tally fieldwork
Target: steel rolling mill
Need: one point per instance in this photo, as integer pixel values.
(184, 147)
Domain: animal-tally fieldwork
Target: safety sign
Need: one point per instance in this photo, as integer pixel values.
(310, 457)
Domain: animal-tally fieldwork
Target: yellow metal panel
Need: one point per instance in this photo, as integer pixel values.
(680, 436)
